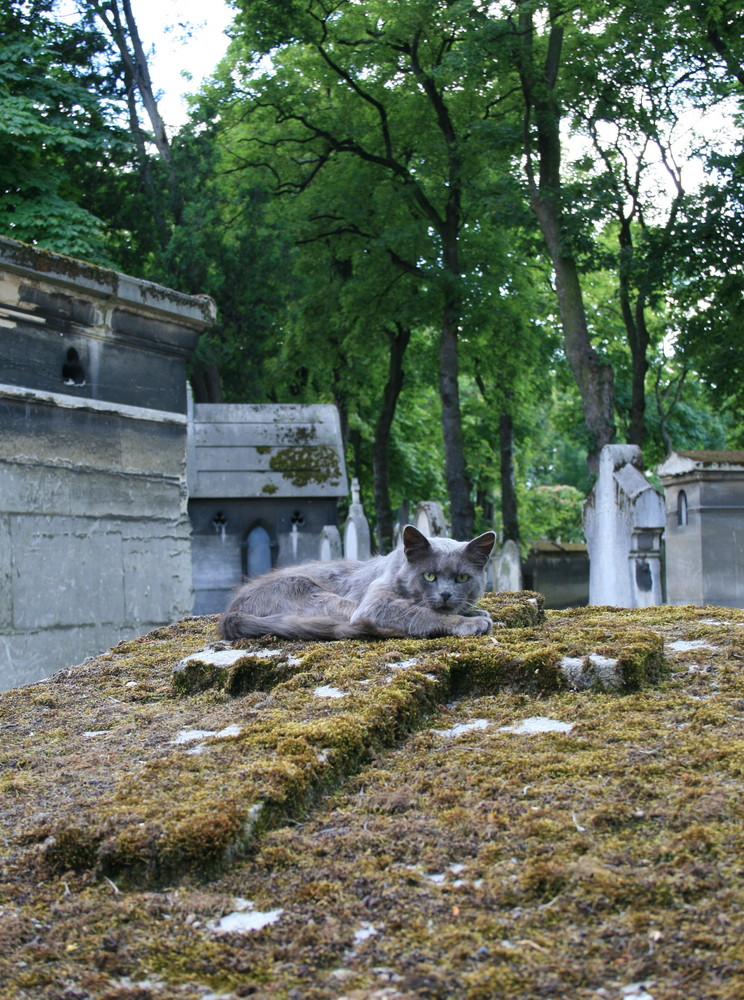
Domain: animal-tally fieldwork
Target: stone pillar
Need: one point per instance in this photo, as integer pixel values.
(623, 524)
(356, 529)
(429, 518)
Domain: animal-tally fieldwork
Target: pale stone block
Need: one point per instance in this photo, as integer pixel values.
(330, 547)
(156, 569)
(623, 523)
(507, 567)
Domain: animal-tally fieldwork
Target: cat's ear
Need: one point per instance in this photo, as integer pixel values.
(479, 549)
(415, 545)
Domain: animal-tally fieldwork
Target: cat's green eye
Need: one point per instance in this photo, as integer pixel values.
(462, 578)
(430, 577)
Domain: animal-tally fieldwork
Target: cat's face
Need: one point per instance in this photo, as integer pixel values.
(447, 576)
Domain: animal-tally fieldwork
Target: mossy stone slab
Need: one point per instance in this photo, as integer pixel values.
(502, 842)
(170, 754)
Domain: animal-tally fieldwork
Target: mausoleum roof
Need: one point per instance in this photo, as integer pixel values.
(682, 461)
(265, 451)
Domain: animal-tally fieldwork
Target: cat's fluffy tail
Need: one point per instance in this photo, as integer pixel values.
(239, 625)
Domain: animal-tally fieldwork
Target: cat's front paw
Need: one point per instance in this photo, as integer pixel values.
(478, 613)
(472, 626)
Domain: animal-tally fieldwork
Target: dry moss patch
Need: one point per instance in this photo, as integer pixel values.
(455, 851)
(159, 758)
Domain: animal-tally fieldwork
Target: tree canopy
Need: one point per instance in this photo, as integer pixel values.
(479, 228)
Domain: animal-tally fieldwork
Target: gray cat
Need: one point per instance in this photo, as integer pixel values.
(426, 587)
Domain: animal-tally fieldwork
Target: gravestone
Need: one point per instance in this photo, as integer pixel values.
(623, 524)
(704, 493)
(94, 536)
(428, 517)
(506, 567)
(330, 544)
(357, 544)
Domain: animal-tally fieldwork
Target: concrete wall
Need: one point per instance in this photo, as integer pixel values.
(94, 532)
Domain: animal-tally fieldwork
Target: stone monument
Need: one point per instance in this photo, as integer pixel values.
(264, 481)
(506, 567)
(623, 524)
(428, 517)
(357, 543)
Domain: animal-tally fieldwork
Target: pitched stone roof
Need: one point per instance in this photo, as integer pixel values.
(267, 451)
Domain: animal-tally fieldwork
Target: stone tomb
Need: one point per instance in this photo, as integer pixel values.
(94, 533)
(499, 823)
(623, 524)
(264, 482)
(559, 571)
(704, 527)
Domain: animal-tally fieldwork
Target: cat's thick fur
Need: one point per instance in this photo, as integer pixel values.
(426, 587)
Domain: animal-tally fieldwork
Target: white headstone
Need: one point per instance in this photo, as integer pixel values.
(356, 530)
(507, 567)
(623, 524)
(330, 543)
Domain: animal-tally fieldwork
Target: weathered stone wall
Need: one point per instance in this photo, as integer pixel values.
(704, 527)
(94, 532)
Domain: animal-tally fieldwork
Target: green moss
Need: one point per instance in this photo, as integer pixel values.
(581, 860)
(252, 673)
(303, 465)
(160, 817)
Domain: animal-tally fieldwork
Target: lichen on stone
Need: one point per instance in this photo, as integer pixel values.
(303, 465)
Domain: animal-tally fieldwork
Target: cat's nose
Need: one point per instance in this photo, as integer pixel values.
(445, 596)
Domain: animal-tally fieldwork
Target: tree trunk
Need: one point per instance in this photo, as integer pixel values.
(355, 443)
(462, 512)
(509, 518)
(206, 383)
(594, 377)
(638, 339)
(124, 32)
(384, 521)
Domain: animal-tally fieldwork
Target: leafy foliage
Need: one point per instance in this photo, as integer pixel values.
(57, 130)
(352, 181)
